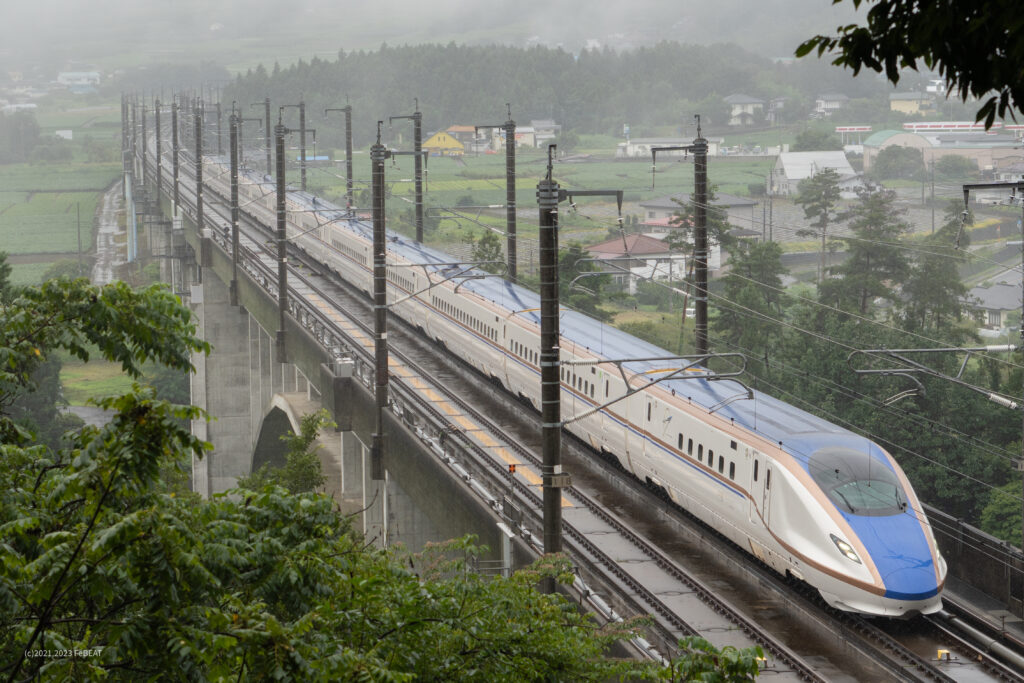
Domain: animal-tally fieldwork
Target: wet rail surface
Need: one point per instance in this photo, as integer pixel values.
(823, 641)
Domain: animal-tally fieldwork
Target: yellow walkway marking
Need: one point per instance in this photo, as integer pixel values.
(399, 370)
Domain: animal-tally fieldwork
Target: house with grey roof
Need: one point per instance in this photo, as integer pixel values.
(992, 305)
(656, 213)
(745, 110)
(792, 167)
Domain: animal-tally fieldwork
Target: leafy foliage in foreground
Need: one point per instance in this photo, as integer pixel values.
(100, 559)
(978, 52)
(302, 471)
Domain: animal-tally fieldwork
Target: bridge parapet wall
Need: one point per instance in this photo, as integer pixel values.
(980, 560)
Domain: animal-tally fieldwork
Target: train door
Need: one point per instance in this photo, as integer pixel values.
(755, 465)
(766, 497)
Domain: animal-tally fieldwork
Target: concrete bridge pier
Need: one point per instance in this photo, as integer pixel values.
(222, 380)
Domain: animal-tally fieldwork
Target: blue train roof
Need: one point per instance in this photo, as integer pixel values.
(800, 432)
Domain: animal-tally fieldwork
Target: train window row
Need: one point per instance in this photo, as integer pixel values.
(711, 457)
(401, 280)
(465, 318)
(579, 384)
(356, 256)
(522, 351)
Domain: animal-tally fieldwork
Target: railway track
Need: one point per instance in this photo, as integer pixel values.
(901, 662)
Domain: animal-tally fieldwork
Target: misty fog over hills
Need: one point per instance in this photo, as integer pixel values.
(241, 33)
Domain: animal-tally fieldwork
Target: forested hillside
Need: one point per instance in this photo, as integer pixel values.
(595, 92)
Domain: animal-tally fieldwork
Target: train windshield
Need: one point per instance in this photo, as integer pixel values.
(857, 483)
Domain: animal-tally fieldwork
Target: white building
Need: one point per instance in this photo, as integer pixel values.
(641, 147)
(792, 167)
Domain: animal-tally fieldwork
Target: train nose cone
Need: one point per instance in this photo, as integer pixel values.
(911, 583)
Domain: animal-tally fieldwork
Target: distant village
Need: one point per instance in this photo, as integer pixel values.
(997, 154)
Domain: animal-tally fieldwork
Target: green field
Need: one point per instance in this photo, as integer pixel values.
(28, 273)
(48, 223)
(59, 114)
(39, 208)
(479, 180)
(63, 177)
(95, 379)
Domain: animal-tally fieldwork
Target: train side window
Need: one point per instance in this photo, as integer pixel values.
(756, 463)
(732, 470)
(732, 445)
(721, 462)
(700, 452)
(648, 405)
(606, 388)
(689, 446)
(679, 443)
(768, 480)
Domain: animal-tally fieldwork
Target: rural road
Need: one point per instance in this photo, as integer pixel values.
(109, 253)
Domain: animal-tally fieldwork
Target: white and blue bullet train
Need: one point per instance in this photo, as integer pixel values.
(803, 495)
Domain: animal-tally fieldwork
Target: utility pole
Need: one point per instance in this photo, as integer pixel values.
(417, 150)
(134, 132)
(266, 117)
(931, 166)
(550, 357)
(509, 128)
(347, 109)
(553, 479)
(199, 168)
(219, 136)
(700, 233)
(143, 143)
(700, 240)
(159, 153)
(78, 225)
(1016, 194)
(174, 151)
(241, 146)
(125, 123)
(302, 138)
(302, 141)
(233, 126)
(378, 155)
(282, 237)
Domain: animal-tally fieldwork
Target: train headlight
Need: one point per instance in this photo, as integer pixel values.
(845, 548)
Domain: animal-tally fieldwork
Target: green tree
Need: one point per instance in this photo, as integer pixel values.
(65, 268)
(252, 585)
(932, 295)
(19, 136)
(681, 237)
(819, 196)
(97, 555)
(302, 471)
(65, 513)
(898, 162)
(752, 298)
(978, 53)
(875, 264)
(1001, 516)
(701, 661)
(814, 140)
(567, 141)
(583, 294)
(488, 248)
(955, 167)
